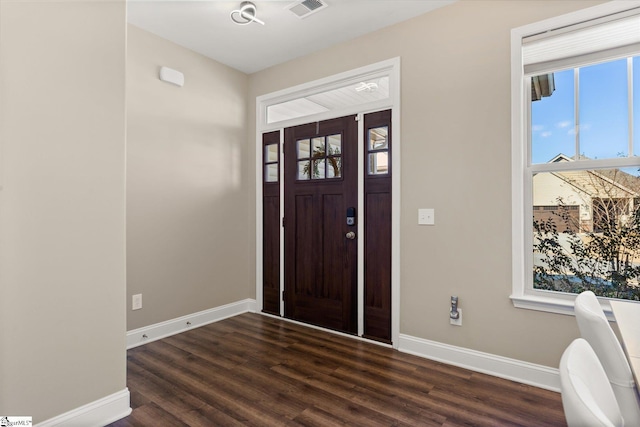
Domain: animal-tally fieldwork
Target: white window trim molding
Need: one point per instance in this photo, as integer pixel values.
(521, 296)
(391, 68)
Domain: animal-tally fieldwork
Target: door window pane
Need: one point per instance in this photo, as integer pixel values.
(304, 149)
(335, 167)
(318, 169)
(303, 170)
(334, 143)
(318, 146)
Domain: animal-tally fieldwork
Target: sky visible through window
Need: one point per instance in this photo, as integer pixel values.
(603, 120)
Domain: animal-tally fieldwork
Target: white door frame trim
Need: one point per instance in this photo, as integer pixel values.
(391, 68)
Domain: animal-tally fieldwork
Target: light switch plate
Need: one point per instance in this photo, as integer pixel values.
(136, 302)
(426, 217)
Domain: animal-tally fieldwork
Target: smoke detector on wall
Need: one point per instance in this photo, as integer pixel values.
(304, 8)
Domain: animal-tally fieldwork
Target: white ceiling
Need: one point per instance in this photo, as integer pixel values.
(205, 26)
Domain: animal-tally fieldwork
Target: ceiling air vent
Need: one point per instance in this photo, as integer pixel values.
(304, 8)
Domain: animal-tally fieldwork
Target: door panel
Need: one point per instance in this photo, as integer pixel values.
(377, 217)
(271, 223)
(271, 256)
(320, 261)
(305, 253)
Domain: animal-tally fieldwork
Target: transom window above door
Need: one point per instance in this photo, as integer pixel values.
(355, 92)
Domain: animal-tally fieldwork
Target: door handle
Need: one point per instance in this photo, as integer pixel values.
(350, 235)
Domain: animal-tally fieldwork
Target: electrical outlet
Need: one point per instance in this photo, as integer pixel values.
(458, 321)
(136, 302)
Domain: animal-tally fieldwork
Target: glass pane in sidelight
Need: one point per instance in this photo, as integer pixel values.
(378, 138)
(271, 153)
(378, 163)
(271, 173)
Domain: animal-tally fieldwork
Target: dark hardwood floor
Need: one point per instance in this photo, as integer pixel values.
(253, 370)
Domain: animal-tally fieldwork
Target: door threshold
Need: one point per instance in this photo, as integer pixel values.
(331, 331)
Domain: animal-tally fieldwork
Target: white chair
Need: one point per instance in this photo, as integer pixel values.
(587, 396)
(594, 327)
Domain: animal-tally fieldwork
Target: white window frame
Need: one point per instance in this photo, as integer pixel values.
(523, 295)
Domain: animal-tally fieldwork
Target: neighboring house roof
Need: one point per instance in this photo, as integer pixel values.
(605, 183)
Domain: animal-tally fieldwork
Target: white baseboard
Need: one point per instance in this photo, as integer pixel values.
(486, 363)
(161, 330)
(98, 413)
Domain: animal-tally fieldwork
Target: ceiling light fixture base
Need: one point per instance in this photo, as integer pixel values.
(246, 14)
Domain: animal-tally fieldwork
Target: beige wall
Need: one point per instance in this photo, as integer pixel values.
(455, 148)
(188, 242)
(62, 205)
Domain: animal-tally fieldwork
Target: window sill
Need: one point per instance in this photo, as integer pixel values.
(562, 304)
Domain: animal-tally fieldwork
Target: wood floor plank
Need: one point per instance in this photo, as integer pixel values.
(156, 389)
(254, 370)
(316, 417)
(219, 388)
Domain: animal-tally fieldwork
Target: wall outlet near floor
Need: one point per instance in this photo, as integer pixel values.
(136, 302)
(458, 321)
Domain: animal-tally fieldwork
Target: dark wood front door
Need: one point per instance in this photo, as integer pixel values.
(320, 190)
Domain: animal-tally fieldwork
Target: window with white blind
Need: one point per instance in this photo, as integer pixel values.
(576, 157)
